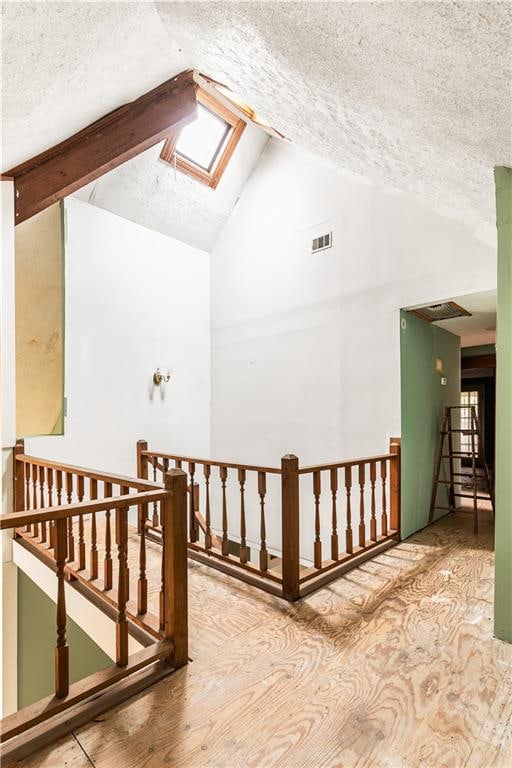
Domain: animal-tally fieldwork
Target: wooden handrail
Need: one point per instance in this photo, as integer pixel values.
(354, 506)
(92, 474)
(212, 462)
(19, 519)
(309, 469)
(48, 530)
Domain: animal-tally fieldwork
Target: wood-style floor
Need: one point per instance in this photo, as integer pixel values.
(394, 665)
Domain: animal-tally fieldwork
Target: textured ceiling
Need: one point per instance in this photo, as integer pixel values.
(414, 95)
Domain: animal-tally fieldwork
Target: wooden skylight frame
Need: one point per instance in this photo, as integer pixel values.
(213, 177)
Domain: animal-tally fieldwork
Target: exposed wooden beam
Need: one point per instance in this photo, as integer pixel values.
(103, 145)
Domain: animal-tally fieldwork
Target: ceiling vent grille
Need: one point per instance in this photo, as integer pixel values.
(322, 242)
(445, 311)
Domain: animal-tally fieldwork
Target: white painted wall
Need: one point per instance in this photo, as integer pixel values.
(135, 300)
(306, 348)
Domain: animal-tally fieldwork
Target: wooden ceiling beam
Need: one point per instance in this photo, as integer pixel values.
(103, 145)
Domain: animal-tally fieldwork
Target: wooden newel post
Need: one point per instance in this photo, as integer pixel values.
(19, 477)
(394, 481)
(290, 525)
(174, 571)
(142, 471)
(61, 649)
(122, 621)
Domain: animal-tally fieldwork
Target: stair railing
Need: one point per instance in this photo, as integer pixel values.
(287, 530)
(68, 516)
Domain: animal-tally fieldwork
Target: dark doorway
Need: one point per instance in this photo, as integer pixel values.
(478, 389)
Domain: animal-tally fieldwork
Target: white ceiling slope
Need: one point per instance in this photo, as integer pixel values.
(416, 95)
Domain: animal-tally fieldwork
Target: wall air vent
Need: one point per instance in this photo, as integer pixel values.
(445, 311)
(322, 242)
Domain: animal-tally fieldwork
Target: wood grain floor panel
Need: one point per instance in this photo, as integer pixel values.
(393, 665)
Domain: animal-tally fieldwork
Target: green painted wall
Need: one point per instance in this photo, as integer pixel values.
(423, 401)
(36, 641)
(503, 583)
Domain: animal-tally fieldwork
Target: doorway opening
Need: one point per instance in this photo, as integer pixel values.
(447, 363)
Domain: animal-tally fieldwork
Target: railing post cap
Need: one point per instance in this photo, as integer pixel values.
(142, 442)
(289, 456)
(172, 475)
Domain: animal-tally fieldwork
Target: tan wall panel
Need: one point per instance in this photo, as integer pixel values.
(39, 324)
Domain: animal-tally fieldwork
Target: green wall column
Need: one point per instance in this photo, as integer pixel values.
(503, 584)
(424, 399)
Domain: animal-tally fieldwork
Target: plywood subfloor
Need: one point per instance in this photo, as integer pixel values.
(394, 665)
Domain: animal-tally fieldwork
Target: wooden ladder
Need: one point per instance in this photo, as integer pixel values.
(476, 450)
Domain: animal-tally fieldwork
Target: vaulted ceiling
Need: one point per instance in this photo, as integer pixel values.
(416, 95)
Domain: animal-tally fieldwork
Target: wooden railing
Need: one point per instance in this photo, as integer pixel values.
(286, 529)
(76, 520)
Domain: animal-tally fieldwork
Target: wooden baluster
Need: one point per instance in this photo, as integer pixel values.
(373, 519)
(334, 534)
(177, 464)
(41, 498)
(51, 525)
(383, 517)
(122, 554)
(19, 477)
(81, 539)
(225, 541)
(208, 531)
(61, 649)
(192, 523)
(154, 462)
(317, 557)
(93, 567)
(244, 553)
(142, 471)
(362, 530)
(125, 490)
(107, 561)
(142, 583)
(58, 483)
(35, 526)
(262, 490)
(71, 537)
(28, 506)
(58, 490)
(349, 546)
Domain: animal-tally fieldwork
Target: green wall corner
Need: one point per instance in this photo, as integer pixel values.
(423, 399)
(36, 642)
(503, 524)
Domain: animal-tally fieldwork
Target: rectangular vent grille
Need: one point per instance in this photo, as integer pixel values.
(445, 311)
(322, 242)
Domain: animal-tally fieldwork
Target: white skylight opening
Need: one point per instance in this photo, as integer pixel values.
(201, 142)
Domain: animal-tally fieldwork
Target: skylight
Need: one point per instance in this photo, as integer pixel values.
(201, 141)
(203, 148)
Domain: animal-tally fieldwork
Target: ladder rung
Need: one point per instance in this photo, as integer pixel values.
(470, 496)
(457, 454)
(464, 431)
(453, 407)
